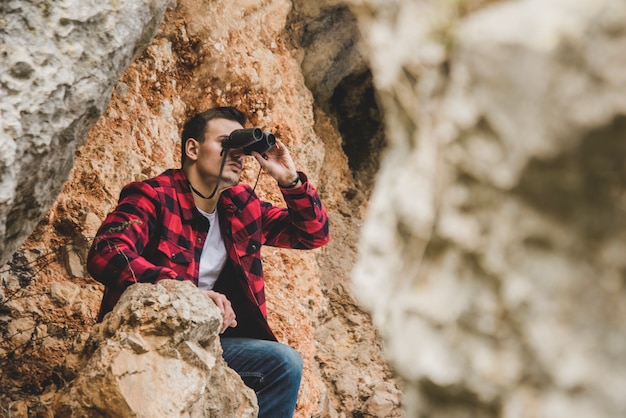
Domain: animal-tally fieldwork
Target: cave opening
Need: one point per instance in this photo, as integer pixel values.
(360, 123)
(338, 74)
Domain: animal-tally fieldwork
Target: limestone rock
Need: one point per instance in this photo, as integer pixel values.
(59, 63)
(493, 254)
(157, 354)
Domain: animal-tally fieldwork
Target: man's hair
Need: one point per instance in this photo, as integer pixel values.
(196, 126)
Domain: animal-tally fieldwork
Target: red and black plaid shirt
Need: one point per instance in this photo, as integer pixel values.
(156, 233)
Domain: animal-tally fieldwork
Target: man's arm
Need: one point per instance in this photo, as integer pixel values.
(115, 258)
(302, 225)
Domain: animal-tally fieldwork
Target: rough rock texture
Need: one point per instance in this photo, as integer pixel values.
(251, 55)
(493, 254)
(59, 62)
(328, 33)
(337, 73)
(156, 355)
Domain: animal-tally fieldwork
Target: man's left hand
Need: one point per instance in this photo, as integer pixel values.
(228, 314)
(277, 162)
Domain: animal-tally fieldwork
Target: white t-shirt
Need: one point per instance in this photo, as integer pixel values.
(213, 255)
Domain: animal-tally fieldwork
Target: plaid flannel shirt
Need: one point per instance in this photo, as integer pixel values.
(156, 233)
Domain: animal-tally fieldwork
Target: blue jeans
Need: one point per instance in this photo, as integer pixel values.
(273, 370)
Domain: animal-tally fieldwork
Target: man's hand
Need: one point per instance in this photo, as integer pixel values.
(222, 302)
(278, 163)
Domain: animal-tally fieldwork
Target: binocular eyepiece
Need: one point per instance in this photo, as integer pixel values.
(250, 139)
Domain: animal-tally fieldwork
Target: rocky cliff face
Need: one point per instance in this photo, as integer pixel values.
(278, 62)
(492, 258)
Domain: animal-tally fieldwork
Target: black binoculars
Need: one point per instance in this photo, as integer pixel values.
(250, 139)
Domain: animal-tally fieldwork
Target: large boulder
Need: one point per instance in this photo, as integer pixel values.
(493, 254)
(157, 354)
(59, 63)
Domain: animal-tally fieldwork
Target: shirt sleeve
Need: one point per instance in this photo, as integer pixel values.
(302, 225)
(115, 258)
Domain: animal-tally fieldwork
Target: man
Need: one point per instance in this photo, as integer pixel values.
(198, 224)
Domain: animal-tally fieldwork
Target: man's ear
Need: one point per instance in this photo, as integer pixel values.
(191, 149)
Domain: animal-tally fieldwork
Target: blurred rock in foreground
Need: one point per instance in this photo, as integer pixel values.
(493, 254)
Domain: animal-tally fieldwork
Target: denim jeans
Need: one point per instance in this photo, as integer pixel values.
(273, 370)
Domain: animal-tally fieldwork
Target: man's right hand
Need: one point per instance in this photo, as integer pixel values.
(228, 315)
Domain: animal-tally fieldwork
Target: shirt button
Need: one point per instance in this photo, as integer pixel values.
(199, 239)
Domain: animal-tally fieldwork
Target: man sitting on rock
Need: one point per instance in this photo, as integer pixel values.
(199, 224)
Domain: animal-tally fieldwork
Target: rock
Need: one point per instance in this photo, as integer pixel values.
(383, 403)
(90, 225)
(75, 260)
(22, 330)
(489, 257)
(331, 43)
(157, 354)
(61, 60)
(18, 409)
(64, 293)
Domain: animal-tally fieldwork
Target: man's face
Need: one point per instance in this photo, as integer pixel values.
(210, 150)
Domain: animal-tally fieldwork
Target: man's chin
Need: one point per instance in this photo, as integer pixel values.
(231, 181)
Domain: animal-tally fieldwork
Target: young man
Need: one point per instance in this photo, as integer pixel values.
(199, 224)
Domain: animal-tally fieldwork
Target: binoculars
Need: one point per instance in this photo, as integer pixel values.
(249, 139)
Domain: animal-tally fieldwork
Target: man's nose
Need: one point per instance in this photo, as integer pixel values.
(237, 154)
